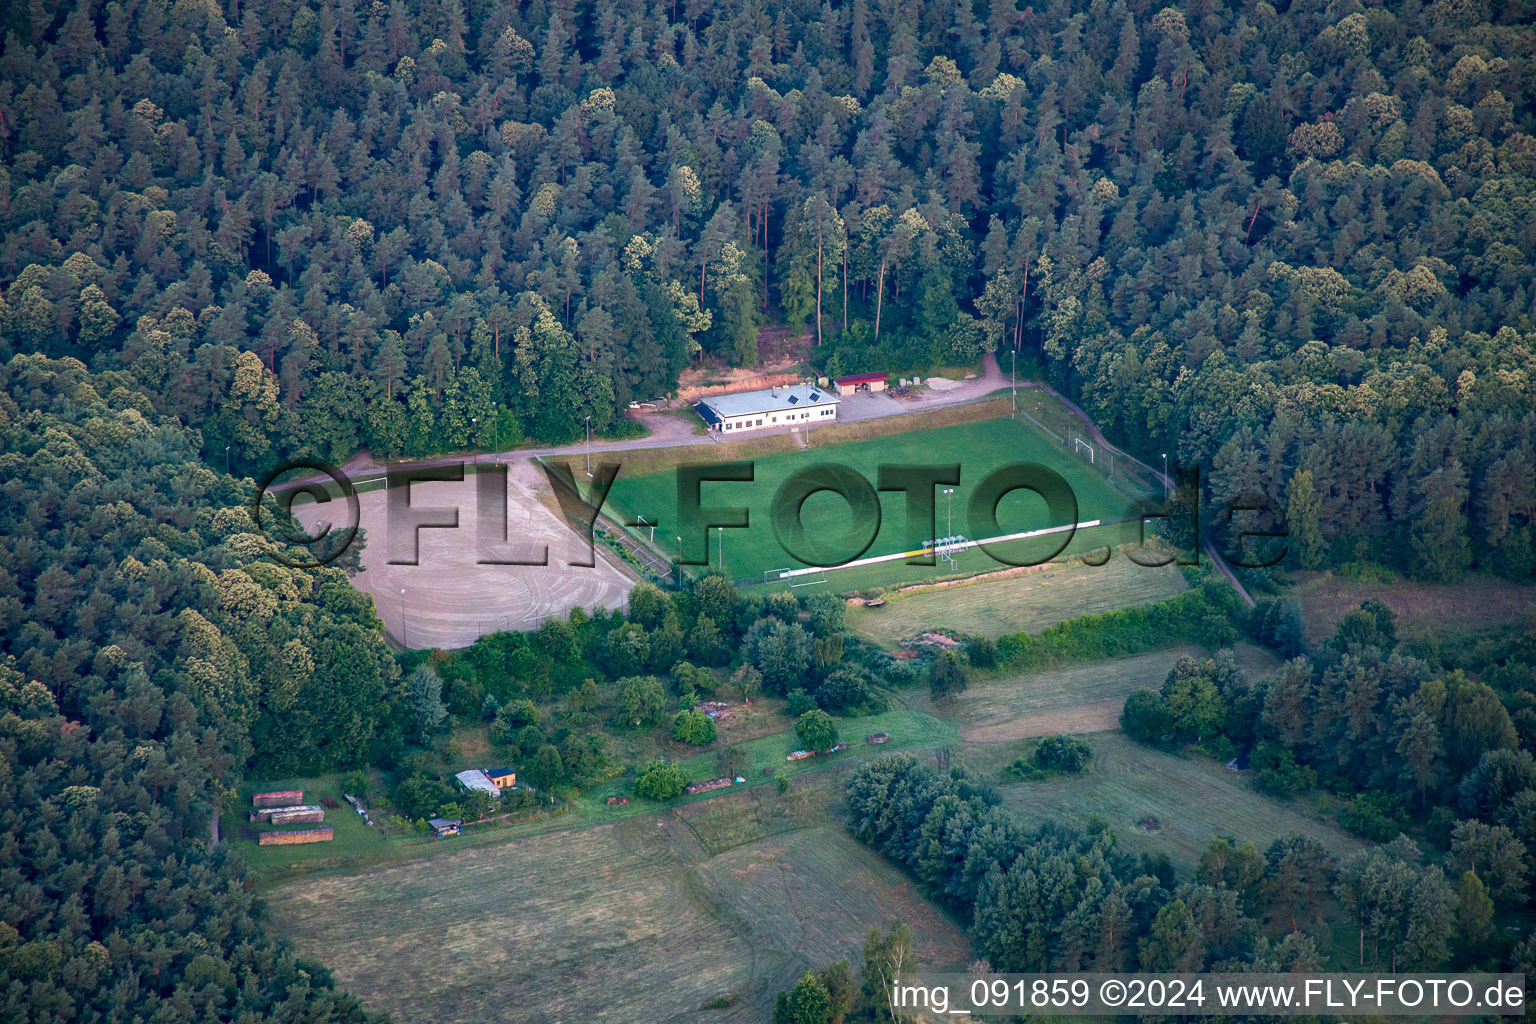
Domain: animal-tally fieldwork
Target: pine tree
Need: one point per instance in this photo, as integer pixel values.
(1303, 512)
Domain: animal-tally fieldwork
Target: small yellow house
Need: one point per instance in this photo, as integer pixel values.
(505, 778)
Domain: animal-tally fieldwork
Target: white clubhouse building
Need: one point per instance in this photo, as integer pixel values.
(795, 405)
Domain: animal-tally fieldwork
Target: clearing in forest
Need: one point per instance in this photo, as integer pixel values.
(1079, 698)
(977, 447)
(1192, 799)
(1075, 699)
(623, 922)
(1475, 604)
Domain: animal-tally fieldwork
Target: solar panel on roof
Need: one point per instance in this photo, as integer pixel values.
(793, 399)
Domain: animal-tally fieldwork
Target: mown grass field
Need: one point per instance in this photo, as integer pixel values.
(979, 447)
(1473, 605)
(1030, 600)
(626, 922)
(1193, 798)
(1076, 699)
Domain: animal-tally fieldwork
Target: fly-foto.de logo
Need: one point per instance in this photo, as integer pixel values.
(1250, 529)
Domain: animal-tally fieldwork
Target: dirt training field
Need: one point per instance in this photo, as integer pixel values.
(1194, 800)
(1030, 600)
(625, 922)
(450, 600)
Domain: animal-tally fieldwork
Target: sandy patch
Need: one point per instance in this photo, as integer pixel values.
(450, 598)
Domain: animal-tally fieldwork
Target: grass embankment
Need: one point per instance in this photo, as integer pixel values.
(1027, 600)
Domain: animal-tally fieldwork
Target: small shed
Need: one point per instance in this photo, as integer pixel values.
(473, 779)
(862, 382)
(444, 827)
(503, 778)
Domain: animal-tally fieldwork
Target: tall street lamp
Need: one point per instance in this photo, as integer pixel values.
(226, 460)
(404, 641)
(589, 447)
(1167, 487)
(949, 508)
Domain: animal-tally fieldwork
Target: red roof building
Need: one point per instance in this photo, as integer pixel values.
(862, 382)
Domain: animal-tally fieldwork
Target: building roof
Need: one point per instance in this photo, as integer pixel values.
(499, 773)
(745, 403)
(474, 778)
(862, 378)
(444, 822)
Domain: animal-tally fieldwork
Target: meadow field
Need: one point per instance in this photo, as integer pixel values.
(1474, 605)
(1027, 600)
(908, 729)
(1075, 699)
(978, 447)
(625, 922)
(1192, 799)
(651, 911)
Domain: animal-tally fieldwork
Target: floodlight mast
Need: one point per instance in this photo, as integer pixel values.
(949, 529)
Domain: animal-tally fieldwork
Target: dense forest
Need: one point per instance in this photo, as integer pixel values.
(1398, 732)
(152, 652)
(1292, 248)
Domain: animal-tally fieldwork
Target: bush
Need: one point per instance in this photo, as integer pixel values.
(898, 672)
(528, 740)
(845, 690)
(816, 730)
(1054, 755)
(694, 728)
(660, 780)
(799, 702)
(946, 678)
(1063, 754)
(1276, 772)
(642, 701)
(980, 652)
(511, 717)
(1374, 815)
(1199, 614)
(732, 761)
(1145, 718)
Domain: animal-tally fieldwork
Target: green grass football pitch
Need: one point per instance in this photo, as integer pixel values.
(978, 448)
